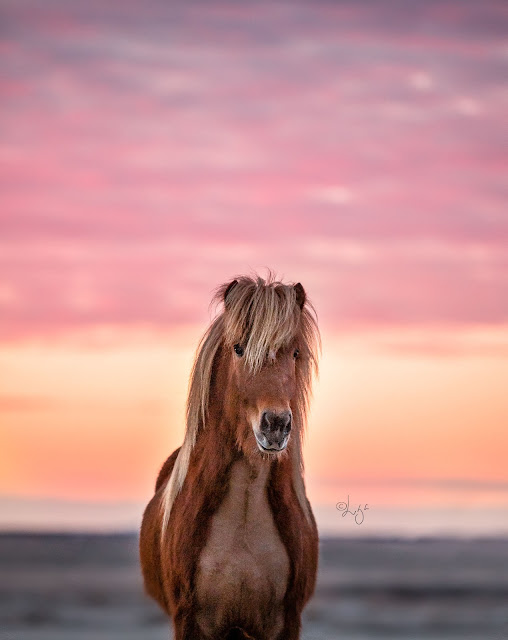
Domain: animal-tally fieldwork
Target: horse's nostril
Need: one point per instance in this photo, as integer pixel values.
(266, 421)
(272, 422)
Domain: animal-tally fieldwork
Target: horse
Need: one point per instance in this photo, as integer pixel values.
(228, 542)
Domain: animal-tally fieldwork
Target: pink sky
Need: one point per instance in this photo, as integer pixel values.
(150, 154)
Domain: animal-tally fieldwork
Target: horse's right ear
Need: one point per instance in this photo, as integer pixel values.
(228, 290)
(301, 296)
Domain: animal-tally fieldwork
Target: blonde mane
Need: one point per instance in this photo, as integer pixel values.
(262, 316)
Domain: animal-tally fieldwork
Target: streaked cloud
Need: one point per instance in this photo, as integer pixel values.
(333, 194)
(467, 106)
(421, 81)
(149, 155)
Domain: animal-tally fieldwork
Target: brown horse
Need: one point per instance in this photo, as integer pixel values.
(229, 545)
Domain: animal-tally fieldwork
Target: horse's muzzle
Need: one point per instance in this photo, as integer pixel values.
(274, 430)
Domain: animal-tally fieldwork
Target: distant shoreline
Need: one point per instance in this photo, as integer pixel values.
(6, 534)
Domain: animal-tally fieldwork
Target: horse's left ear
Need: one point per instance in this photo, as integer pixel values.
(300, 295)
(228, 289)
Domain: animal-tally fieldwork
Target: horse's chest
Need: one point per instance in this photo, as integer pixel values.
(243, 569)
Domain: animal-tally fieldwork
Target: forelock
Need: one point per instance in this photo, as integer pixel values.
(262, 316)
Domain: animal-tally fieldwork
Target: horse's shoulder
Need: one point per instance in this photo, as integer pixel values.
(166, 469)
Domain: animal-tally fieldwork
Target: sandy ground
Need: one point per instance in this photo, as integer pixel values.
(84, 587)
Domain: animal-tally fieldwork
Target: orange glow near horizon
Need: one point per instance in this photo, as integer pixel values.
(95, 424)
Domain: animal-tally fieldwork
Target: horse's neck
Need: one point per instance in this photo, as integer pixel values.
(215, 459)
(247, 484)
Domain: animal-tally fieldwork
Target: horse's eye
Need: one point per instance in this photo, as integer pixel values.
(238, 349)
(296, 353)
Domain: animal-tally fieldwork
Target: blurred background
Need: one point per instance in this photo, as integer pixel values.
(150, 152)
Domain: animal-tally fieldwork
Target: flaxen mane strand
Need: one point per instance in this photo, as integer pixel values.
(263, 316)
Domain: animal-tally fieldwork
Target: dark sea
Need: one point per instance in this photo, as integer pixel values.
(77, 587)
